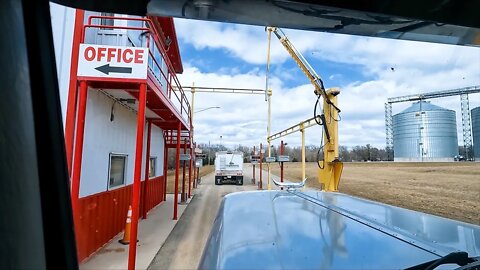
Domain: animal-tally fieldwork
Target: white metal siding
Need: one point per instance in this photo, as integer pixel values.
(103, 137)
(63, 23)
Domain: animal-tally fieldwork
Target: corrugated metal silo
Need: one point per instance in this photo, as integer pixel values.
(476, 132)
(425, 132)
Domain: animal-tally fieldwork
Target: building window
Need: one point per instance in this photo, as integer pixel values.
(117, 171)
(106, 21)
(153, 166)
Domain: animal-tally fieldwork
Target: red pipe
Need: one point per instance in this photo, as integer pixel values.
(73, 89)
(177, 168)
(183, 171)
(165, 168)
(137, 174)
(117, 18)
(261, 166)
(281, 164)
(147, 170)
(190, 175)
(78, 154)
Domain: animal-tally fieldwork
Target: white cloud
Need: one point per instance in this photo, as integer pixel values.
(397, 68)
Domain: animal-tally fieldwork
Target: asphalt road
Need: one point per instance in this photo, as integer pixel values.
(183, 247)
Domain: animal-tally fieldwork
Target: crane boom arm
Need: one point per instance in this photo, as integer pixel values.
(330, 168)
(306, 68)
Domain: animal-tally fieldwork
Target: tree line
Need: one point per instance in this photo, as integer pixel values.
(357, 153)
(312, 153)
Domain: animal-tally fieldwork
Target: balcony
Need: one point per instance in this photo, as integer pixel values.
(162, 80)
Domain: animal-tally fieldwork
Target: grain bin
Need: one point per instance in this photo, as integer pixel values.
(476, 132)
(425, 132)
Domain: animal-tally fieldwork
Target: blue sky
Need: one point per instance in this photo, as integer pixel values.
(220, 60)
(229, 55)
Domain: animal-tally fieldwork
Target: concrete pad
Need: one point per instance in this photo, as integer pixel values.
(184, 246)
(152, 233)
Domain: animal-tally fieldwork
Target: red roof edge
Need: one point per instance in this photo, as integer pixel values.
(165, 26)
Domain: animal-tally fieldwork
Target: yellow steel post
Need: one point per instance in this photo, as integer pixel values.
(302, 129)
(269, 31)
(269, 95)
(332, 167)
(268, 136)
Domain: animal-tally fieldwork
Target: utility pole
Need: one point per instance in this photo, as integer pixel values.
(268, 136)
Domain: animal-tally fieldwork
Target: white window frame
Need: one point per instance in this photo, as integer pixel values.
(154, 167)
(113, 154)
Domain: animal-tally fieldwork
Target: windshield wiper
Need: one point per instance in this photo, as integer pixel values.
(459, 258)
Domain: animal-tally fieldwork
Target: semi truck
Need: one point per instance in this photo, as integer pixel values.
(229, 167)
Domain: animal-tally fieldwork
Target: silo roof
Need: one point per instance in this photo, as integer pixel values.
(425, 106)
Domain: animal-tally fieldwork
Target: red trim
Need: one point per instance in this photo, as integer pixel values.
(132, 247)
(77, 161)
(177, 168)
(72, 89)
(122, 80)
(147, 170)
(173, 145)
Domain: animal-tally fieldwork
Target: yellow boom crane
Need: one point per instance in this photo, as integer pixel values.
(330, 168)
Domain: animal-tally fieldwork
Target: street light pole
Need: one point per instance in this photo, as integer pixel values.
(204, 109)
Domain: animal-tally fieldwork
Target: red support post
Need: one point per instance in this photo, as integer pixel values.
(78, 153)
(190, 173)
(184, 171)
(73, 89)
(177, 168)
(261, 157)
(253, 166)
(281, 163)
(194, 166)
(147, 170)
(137, 174)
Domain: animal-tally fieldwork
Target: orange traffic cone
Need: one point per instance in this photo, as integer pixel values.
(126, 234)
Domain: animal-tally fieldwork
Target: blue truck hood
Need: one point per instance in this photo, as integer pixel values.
(320, 230)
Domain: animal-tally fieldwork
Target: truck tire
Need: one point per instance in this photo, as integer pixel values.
(218, 181)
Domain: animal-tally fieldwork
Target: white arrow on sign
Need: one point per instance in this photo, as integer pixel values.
(112, 61)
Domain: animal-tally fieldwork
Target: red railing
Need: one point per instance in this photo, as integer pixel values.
(151, 32)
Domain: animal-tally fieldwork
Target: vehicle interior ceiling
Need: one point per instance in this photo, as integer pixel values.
(39, 233)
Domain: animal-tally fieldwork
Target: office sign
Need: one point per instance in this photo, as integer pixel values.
(104, 61)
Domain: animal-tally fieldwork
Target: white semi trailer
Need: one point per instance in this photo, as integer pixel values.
(229, 167)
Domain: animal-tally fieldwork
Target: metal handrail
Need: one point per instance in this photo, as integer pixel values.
(152, 32)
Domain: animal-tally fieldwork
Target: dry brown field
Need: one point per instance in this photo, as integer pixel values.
(450, 190)
(171, 178)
